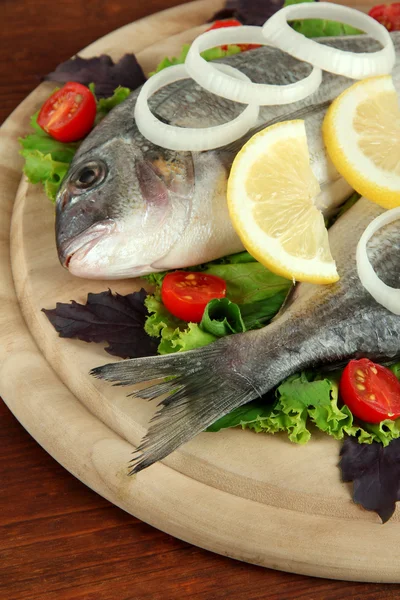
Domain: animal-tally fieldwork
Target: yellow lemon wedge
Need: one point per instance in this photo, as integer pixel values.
(361, 132)
(271, 194)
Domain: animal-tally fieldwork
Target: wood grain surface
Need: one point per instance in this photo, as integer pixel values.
(57, 538)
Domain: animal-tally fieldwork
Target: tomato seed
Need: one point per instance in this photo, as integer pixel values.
(360, 387)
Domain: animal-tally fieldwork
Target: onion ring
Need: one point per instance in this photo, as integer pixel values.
(278, 33)
(221, 84)
(384, 294)
(189, 138)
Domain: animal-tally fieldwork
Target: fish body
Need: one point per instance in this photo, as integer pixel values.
(319, 326)
(128, 207)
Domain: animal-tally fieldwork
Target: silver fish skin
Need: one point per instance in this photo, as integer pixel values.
(128, 207)
(320, 325)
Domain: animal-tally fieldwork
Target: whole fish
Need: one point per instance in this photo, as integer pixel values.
(320, 325)
(128, 207)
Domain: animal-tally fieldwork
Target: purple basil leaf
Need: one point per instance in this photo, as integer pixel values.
(375, 473)
(102, 71)
(249, 12)
(107, 317)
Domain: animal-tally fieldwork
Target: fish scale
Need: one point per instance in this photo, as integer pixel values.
(319, 326)
(150, 209)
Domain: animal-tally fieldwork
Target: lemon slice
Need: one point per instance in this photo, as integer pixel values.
(362, 135)
(271, 193)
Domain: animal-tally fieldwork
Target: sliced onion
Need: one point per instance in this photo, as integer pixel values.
(384, 294)
(356, 66)
(221, 84)
(189, 138)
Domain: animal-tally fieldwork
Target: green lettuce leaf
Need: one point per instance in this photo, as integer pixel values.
(175, 335)
(396, 369)
(222, 317)
(305, 399)
(155, 279)
(238, 258)
(244, 416)
(313, 28)
(42, 168)
(211, 54)
(105, 105)
(35, 125)
(249, 282)
(343, 209)
(215, 53)
(45, 144)
(47, 160)
(258, 314)
(254, 295)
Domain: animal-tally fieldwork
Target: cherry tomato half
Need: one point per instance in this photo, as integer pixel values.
(232, 23)
(186, 294)
(388, 15)
(371, 391)
(68, 115)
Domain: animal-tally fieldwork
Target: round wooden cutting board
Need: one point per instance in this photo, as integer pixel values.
(253, 497)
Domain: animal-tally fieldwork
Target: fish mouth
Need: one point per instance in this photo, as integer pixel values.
(82, 243)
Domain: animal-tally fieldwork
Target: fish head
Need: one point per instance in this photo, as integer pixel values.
(121, 208)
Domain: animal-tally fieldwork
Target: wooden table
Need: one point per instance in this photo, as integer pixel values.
(58, 539)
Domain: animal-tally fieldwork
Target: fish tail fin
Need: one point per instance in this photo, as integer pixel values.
(201, 386)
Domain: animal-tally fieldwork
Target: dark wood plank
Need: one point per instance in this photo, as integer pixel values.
(58, 539)
(36, 36)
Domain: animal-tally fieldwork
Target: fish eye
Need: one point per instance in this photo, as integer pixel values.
(89, 175)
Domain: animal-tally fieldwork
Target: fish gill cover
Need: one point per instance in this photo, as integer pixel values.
(112, 83)
(304, 400)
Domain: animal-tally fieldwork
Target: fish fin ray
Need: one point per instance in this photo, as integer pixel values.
(204, 387)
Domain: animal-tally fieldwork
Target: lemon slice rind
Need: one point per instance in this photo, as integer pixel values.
(344, 142)
(265, 248)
